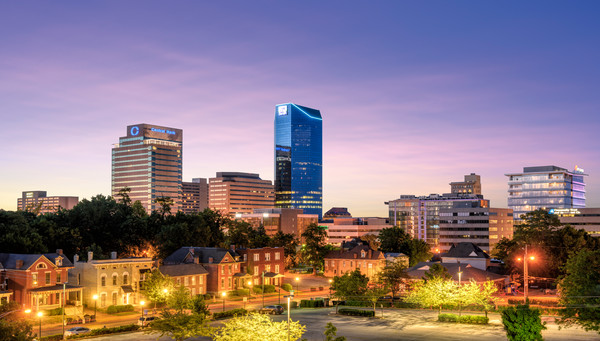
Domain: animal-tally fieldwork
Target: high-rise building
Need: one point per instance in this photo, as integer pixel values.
(587, 219)
(299, 158)
(195, 196)
(471, 185)
(286, 220)
(545, 187)
(235, 192)
(39, 202)
(148, 161)
(344, 229)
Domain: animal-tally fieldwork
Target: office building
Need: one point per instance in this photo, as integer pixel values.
(345, 229)
(587, 219)
(337, 212)
(234, 192)
(194, 196)
(286, 220)
(545, 187)
(148, 161)
(39, 202)
(299, 158)
(471, 185)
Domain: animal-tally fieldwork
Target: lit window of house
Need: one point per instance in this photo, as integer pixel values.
(277, 255)
(267, 257)
(256, 257)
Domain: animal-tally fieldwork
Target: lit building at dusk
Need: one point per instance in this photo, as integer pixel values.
(149, 162)
(471, 185)
(299, 158)
(587, 219)
(545, 187)
(286, 220)
(345, 229)
(31, 200)
(194, 196)
(235, 192)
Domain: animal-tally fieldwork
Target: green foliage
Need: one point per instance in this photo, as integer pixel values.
(199, 306)
(315, 247)
(289, 242)
(395, 239)
(393, 276)
(331, 333)
(469, 319)
(6, 307)
(53, 312)
(356, 312)
(242, 292)
(257, 289)
(104, 331)
(114, 309)
(447, 318)
(16, 331)
(155, 285)
(179, 299)
(180, 325)
(437, 270)
(352, 283)
(258, 327)
(229, 313)
(312, 303)
(287, 287)
(580, 290)
(435, 292)
(522, 323)
(17, 234)
(373, 293)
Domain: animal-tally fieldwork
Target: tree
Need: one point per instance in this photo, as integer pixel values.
(579, 290)
(180, 326)
(17, 235)
(315, 247)
(435, 292)
(331, 333)
(258, 327)
(16, 331)
(436, 271)
(373, 293)
(523, 323)
(373, 241)
(395, 239)
(289, 242)
(393, 276)
(199, 306)
(179, 299)
(157, 287)
(478, 294)
(352, 284)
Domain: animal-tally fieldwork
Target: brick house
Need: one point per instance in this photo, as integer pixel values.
(192, 276)
(361, 257)
(36, 280)
(270, 260)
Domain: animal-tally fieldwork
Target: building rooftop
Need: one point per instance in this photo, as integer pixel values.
(465, 250)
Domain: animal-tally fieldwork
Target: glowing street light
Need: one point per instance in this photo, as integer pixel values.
(330, 281)
(40, 314)
(526, 259)
(142, 306)
(95, 298)
(223, 294)
(298, 285)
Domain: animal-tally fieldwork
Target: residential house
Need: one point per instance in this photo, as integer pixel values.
(192, 276)
(267, 263)
(360, 257)
(114, 281)
(39, 281)
(459, 272)
(467, 253)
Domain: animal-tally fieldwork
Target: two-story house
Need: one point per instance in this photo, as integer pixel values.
(360, 257)
(192, 276)
(111, 281)
(266, 262)
(39, 281)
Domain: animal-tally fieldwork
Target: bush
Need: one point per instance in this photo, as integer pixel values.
(208, 297)
(242, 292)
(286, 287)
(470, 319)
(230, 313)
(56, 337)
(114, 309)
(104, 331)
(547, 303)
(522, 323)
(447, 318)
(257, 289)
(293, 304)
(356, 312)
(405, 305)
(53, 312)
(269, 288)
(312, 303)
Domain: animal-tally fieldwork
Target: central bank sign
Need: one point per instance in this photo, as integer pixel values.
(282, 110)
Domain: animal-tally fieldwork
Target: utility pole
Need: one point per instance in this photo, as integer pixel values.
(525, 275)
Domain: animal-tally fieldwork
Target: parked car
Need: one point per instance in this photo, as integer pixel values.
(77, 331)
(144, 321)
(272, 309)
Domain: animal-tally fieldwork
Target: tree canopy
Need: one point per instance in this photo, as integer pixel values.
(395, 239)
(314, 248)
(258, 327)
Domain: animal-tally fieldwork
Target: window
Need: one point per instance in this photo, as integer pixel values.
(200, 279)
(222, 282)
(58, 261)
(255, 270)
(229, 268)
(245, 257)
(47, 278)
(193, 280)
(276, 268)
(222, 269)
(125, 279)
(41, 266)
(34, 278)
(268, 268)
(256, 257)
(229, 286)
(58, 279)
(114, 298)
(276, 255)
(78, 279)
(103, 299)
(362, 253)
(186, 281)
(103, 280)
(114, 280)
(267, 257)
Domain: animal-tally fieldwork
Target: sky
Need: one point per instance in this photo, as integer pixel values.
(413, 94)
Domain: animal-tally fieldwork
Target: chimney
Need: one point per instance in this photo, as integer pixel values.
(75, 258)
(59, 251)
(19, 264)
(113, 255)
(370, 253)
(210, 260)
(90, 256)
(356, 255)
(196, 260)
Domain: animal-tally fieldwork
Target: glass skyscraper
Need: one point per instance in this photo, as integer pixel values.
(299, 158)
(545, 187)
(148, 161)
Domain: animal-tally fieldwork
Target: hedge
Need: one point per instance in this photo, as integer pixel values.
(257, 289)
(533, 301)
(293, 304)
(287, 287)
(114, 309)
(104, 331)
(56, 337)
(469, 319)
(242, 292)
(54, 312)
(312, 303)
(230, 313)
(356, 312)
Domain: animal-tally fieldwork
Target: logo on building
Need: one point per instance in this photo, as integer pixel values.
(134, 131)
(282, 110)
(579, 170)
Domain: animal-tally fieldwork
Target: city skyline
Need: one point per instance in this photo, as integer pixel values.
(415, 95)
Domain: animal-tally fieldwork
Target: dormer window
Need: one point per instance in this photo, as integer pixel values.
(362, 253)
(41, 266)
(58, 261)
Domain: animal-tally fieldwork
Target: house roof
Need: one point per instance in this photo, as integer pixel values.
(187, 254)
(465, 250)
(9, 260)
(185, 269)
(342, 254)
(394, 254)
(468, 272)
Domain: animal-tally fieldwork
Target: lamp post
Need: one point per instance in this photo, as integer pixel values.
(142, 307)
(298, 285)
(330, 281)
(95, 297)
(459, 283)
(249, 290)
(223, 294)
(263, 288)
(288, 313)
(526, 260)
(40, 314)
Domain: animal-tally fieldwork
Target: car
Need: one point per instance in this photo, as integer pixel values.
(77, 331)
(272, 309)
(144, 321)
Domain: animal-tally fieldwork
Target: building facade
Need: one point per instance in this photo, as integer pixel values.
(232, 193)
(39, 202)
(545, 187)
(286, 220)
(111, 281)
(361, 257)
(346, 229)
(194, 196)
(587, 219)
(193, 277)
(266, 265)
(299, 158)
(471, 185)
(148, 161)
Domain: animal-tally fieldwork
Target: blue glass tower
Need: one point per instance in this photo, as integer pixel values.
(299, 158)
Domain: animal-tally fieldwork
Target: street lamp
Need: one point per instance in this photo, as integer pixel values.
(526, 260)
(330, 281)
(263, 287)
(142, 306)
(40, 314)
(288, 311)
(459, 283)
(223, 294)
(298, 285)
(95, 297)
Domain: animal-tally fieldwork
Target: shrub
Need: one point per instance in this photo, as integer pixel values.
(522, 323)
(208, 297)
(268, 288)
(286, 287)
(405, 305)
(104, 331)
(242, 292)
(447, 318)
(312, 303)
(257, 289)
(293, 304)
(473, 319)
(54, 312)
(56, 337)
(114, 309)
(356, 312)
(230, 313)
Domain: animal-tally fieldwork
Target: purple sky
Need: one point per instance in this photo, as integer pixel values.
(413, 94)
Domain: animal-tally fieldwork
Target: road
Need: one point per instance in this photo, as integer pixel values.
(402, 324)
